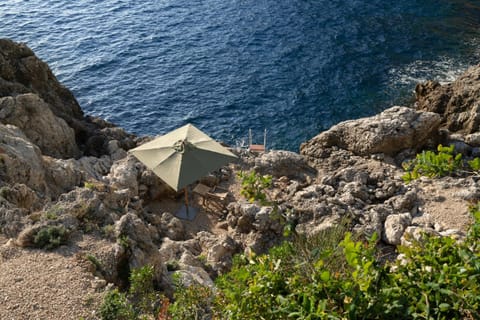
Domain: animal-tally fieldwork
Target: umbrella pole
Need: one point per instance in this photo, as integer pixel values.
(186, 200)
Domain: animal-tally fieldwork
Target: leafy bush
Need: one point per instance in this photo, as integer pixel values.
(137, 303)
(431, 164)
(474, 164)
(115, 306)
(50, 237)
(192, 302)
(141, 292)
(254, 186)
(437, 278)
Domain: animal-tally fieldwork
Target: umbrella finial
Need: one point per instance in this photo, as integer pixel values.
(182, 145)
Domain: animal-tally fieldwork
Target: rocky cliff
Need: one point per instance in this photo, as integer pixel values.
(61, 169)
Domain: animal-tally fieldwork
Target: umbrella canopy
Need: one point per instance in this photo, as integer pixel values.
(183, 156)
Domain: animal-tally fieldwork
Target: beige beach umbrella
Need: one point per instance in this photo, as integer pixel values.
(182, 156)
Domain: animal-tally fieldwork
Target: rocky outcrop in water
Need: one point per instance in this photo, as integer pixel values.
(456, 102)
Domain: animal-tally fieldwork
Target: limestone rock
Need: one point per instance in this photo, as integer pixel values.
(416, 234)
(218, 249)
(20, 160)
(140, 247)
(63, 175)
(33, 116)
(389, 132)
(395, 226)
(194, 276)
(11, 219)
(21, 196)
(124, 175)
(283, 163)
(153, 187)
(172, 227)
(22, 72)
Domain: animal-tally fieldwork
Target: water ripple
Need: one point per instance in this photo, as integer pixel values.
(293, 67)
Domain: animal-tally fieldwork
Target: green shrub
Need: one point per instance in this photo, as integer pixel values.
(308, 278)
(431, 164)
(141, 292)
(474, 164)
(109, 231)
(254, 186)
(115, 306)
(439, 277)
(124, 241)
(192, 302)
(51, 215)
(50, 237)
(94, 261)
(137, 303)
(281, 284)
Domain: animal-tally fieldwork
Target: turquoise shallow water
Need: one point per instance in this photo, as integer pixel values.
(292, 67)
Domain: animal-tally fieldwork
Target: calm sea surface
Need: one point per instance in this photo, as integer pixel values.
(293, 67)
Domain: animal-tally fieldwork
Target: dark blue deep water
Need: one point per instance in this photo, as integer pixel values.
(293, 67)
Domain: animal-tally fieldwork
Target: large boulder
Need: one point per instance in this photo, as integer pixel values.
(33, 116)
(389, 132)
(280, 163)
(458, 102)
(20, 160)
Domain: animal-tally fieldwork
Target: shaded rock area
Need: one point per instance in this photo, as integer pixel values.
(456, 102)
(62, 170)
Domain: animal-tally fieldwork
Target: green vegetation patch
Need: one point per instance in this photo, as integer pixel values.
(254, 186)
(341, 278)
(444, 162)
(50, 237)
(137, 303)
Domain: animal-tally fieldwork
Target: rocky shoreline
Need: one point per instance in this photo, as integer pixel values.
(62, 169)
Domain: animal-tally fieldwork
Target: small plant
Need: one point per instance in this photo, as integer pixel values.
(109, 231)
(431, 164)
(474, 164)
(4, 192)
(137, 303)
(88, 301)
(141, 292)
(254, 186)
(50, 237)
(115, 306)
(172, 265)
(94, 261)
(89, 185)
(124, 241)
(50, 215)
(54, 212)
(36, 216)
(202, 258)
(95, 185)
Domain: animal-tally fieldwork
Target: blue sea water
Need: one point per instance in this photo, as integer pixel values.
(293, 67)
